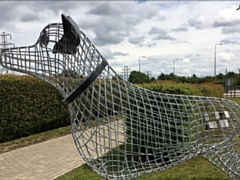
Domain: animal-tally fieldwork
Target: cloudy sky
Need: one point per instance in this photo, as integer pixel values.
(124, 31)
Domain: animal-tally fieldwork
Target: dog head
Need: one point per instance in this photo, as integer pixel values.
(61, 50)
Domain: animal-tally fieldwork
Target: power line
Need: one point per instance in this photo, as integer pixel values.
(5, 43)
(126, 72)
(149, 73)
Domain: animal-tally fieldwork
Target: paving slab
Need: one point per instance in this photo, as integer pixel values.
(42, 161)
(51, 159)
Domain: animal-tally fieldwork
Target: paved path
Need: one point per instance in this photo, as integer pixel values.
(53, 158)
(42, 161)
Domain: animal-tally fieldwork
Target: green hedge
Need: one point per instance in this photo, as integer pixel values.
(29, 106)
(205, 89)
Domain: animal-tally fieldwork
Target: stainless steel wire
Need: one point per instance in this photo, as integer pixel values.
(123, 131)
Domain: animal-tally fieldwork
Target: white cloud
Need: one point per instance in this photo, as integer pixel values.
(200, 22)
(226, 56)
(124, 30)
(136, 40)
(231, 29)
(226, 17)
(186, 60)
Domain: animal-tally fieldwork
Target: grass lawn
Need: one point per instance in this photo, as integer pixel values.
(236, 100)
(195, 169)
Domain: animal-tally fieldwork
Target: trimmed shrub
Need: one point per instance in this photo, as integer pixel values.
(29, 106)
(170, 87)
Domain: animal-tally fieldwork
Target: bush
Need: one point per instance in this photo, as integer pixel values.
(170, 87)
(29, 106)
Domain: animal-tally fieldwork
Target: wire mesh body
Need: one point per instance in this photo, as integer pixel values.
(123, 131)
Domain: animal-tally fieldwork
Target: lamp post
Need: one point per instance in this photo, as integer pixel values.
(140, 62)
(215, 61)
(174, 65)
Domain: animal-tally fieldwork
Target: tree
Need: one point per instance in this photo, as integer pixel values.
(220, 76)
(230, 74)
(152, 79)
(194, 76)
(138, 77)
(162, 76)
(172, 76)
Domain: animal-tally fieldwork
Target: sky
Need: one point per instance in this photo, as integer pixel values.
(180, 35)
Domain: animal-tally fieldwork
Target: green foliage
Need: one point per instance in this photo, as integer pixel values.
(29, 106)
(171, 76)
(171, 87)
(70, 73)
(195, 169)
(194, 79)
(138, 77)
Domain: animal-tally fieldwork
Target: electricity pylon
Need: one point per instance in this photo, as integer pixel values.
(5, 44)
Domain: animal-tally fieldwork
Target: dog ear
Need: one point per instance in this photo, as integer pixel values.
(70, 39)
(70, 30)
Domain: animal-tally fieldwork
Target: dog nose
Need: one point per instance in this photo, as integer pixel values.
(0, 55)
(2, 52)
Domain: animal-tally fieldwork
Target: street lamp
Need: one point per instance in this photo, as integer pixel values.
(215, 61)
(140, 63)
(174, 65)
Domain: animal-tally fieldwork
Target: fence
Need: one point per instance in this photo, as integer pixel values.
(230, 90)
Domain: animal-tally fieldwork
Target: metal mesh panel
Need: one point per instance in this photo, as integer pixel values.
(123, 131)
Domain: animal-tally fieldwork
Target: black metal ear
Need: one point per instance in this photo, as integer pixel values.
(70, 39)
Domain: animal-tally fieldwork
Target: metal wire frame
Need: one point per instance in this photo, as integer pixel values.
(123, 131)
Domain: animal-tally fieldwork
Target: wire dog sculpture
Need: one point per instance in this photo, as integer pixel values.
(123, 131)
